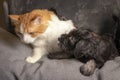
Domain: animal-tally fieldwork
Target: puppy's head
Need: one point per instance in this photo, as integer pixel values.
(78, 36)
(68, 41)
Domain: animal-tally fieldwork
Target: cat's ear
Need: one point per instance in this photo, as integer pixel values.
(14, 18)
(37, 20)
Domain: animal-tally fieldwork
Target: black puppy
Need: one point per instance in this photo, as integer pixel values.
(89, 47)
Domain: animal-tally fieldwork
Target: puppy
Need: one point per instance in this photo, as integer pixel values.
(88, 47)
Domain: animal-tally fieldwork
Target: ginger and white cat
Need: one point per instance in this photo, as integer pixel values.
(41, 28)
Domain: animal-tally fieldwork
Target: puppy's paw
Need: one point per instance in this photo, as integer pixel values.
(31, 60)
(50, 56)
(86, 71)
(88, 68)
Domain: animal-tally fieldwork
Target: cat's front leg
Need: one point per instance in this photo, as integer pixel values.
(37, 54)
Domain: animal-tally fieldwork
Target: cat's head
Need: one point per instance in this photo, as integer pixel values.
(31, 25)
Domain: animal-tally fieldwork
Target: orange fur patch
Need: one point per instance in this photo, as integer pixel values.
(27, 20)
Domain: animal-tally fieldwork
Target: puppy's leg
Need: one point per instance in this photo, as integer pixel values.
(88, 68)
(59, 55)
(99, 64)
(37, 54)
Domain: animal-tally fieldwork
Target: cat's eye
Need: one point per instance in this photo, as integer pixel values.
(19, 33)
(31, 33)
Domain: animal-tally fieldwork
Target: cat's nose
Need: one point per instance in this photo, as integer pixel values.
(26, 41)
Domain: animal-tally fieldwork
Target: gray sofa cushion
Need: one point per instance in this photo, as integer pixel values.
(14, 67)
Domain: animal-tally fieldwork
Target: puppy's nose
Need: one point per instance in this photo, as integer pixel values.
(59, 39)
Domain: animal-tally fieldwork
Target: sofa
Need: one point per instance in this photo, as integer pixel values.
(101, 16)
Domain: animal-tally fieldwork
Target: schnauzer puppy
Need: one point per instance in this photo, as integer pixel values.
(88, 47)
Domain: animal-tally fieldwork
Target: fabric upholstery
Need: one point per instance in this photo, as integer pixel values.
(94, 14)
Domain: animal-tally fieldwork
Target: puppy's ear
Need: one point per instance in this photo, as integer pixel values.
(72, 41)
(62, 37)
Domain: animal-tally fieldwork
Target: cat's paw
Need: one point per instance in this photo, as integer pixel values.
(30, 60)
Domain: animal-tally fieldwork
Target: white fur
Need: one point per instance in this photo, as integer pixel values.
(48, 41)
(28, 38)
(21, 28)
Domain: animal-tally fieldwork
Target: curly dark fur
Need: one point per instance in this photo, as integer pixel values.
(89, 47)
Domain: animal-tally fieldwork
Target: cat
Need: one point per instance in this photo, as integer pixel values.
(87, 46)
(41, 28)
